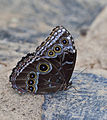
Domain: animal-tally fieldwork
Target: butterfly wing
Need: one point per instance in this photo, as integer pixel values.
(49, 68)
(38, 76)
(59, 48)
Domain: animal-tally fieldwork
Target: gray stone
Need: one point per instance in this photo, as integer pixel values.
(88, 103)
(29, 20)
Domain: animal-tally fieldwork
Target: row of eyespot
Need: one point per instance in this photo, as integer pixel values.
(33, 77)
(32, 82)
(57, 48)
(32, 85)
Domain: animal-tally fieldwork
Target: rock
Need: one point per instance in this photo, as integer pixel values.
(29, 20)
(93, 47)
(88, 104)
(97, 38)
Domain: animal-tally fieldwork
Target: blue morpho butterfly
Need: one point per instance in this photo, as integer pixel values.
(49, 68)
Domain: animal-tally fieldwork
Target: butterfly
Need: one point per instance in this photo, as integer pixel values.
(49, 68)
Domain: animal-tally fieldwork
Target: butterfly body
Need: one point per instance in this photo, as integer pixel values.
(49, 68)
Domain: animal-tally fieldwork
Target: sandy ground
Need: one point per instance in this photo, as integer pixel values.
(92, 48)
(14, 106)
(92, 54)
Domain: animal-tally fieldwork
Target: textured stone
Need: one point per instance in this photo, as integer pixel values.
(27, 20)
(88, 103)
(92, 48)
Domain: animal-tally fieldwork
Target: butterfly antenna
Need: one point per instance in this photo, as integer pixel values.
(78, 74)
(74, 78)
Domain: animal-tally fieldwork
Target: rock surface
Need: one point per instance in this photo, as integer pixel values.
(88, 104)
(94, 46)
(31, 20)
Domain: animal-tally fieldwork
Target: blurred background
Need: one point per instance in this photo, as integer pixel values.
(24, 24)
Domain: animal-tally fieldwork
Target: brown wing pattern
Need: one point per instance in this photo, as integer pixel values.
(49, 68)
